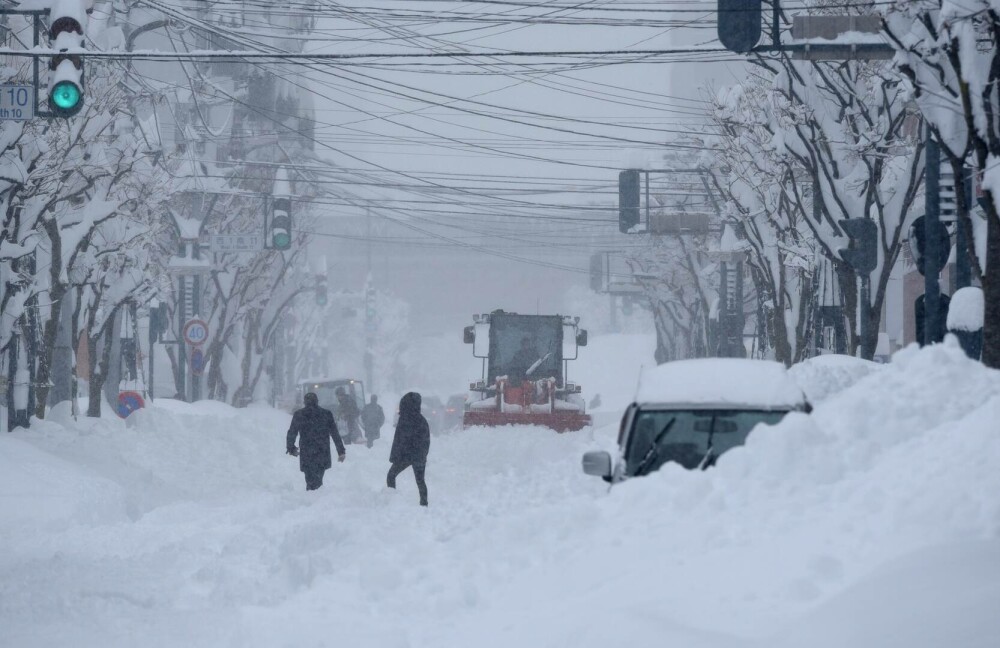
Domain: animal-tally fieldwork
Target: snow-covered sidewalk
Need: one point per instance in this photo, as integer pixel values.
(875, 521)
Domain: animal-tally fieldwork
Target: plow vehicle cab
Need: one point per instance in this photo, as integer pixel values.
(525, 362)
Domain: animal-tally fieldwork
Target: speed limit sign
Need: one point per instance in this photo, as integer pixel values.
(196, 332)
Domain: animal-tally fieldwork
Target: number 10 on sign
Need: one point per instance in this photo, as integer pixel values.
(17, 102)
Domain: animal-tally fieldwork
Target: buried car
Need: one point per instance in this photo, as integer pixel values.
(693, 411)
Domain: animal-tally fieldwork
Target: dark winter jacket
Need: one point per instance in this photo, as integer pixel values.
(315, 427)
(372, 418)
(413, 435)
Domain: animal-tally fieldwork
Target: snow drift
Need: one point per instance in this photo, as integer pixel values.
(873, 521)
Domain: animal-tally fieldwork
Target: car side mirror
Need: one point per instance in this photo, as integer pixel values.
(581, 338)
(469, 335)
(597, 463)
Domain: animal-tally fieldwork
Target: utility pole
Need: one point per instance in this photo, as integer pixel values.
(369, 308)
(932, 242)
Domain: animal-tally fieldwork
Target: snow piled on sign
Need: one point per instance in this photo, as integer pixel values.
(873, 522)
(761, 384)
(966, 309)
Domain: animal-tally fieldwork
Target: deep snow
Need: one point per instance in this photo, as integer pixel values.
(874, 521)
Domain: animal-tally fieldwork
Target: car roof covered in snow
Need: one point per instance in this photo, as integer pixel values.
(721, 382)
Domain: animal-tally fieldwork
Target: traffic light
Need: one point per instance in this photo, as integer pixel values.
(281, 224)
(65, 68)
(739, 24)
(862, 252)
(597, 271)
(628, 200)
(321, 295)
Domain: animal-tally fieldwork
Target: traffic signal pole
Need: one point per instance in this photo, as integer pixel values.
(369, 308)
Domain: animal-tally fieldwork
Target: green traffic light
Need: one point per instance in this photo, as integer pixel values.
(281, 240)
(66, 97)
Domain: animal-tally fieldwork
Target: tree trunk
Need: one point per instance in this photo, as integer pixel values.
(43, 371)
(848, 280)
(664, 345)
(991, 291)
(94, 383)
(99, 371)
(175, 371)
(868, 342)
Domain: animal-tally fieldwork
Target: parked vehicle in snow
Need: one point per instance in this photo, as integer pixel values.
(525, 371)
(433, 410)
(693, 411)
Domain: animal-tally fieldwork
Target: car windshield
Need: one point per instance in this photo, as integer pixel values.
(692, 438)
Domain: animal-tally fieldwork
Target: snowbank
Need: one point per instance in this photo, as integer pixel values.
(826, 375)
(872, 522)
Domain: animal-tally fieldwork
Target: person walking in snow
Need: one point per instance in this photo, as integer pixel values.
(410, 444)
(314, 427)
(372, 420)
(348, 410)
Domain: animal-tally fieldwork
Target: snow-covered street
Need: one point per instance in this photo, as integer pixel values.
(688, 311)
(190, 526)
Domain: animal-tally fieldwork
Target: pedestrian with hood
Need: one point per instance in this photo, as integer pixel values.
(313, 426)
(372, 420)
(411, 444)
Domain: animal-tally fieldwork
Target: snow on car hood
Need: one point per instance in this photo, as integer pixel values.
(720, 381)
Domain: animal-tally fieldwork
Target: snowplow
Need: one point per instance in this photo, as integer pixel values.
(525, 368)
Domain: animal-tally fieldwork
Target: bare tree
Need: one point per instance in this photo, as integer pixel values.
(950, 53)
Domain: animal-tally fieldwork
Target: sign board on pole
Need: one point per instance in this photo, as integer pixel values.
(17, 102)
(128, 402)
(197, 362)
(196, 332)
(223, 243)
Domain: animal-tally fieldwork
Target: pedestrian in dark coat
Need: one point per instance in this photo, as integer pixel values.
(410, 444)
(372, 420)
(314, 427)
